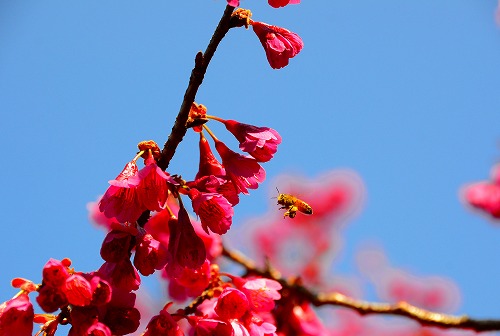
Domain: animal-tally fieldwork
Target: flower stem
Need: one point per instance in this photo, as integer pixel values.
(211, 133)
(215, 118)
(138, 156)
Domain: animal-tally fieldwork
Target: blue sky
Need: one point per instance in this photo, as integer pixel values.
(406, 94)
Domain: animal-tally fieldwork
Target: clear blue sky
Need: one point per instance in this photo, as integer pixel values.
(405, 93)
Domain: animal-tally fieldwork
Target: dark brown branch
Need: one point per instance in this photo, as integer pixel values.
(197, 74)
(424, 317)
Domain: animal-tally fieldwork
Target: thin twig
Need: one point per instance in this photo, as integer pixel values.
(202, 61)
(424, 317)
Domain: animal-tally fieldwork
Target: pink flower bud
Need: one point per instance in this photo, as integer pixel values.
(77, 290)
(259, 142)
(208, 163)
(54, 273)
(149, 255)
(163, 324)
(120, 274)
(231, 304)
(16, 316)
(116, 246)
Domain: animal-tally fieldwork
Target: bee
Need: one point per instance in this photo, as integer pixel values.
(292, 204)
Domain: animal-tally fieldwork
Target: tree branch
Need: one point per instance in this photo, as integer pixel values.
(424, 317)
(197, 74)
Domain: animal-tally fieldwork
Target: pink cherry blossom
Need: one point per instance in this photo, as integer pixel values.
(259, 142)
(217, 184)
(185, 247)
(121, 200)
(214, 210)
(260, 292)
(208, 162)
(152, 190)
(245, 172)
(280, 44)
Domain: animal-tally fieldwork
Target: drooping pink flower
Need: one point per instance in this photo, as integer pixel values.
(121, 314)
(150, 255)
(152, 190)
(214, 210)
(185, 247)
(208, 162)
(16, 316)
(282, 3)
(217, 184)
(245, 172)
(121, 200)
(120, 274)
(116, 246)
(279, 43)
(259, 142)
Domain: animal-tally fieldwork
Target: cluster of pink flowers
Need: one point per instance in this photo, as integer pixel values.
(94, 303)
(485, 195)
(243, 308)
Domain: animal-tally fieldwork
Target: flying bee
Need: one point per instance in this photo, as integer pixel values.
(292, 204)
